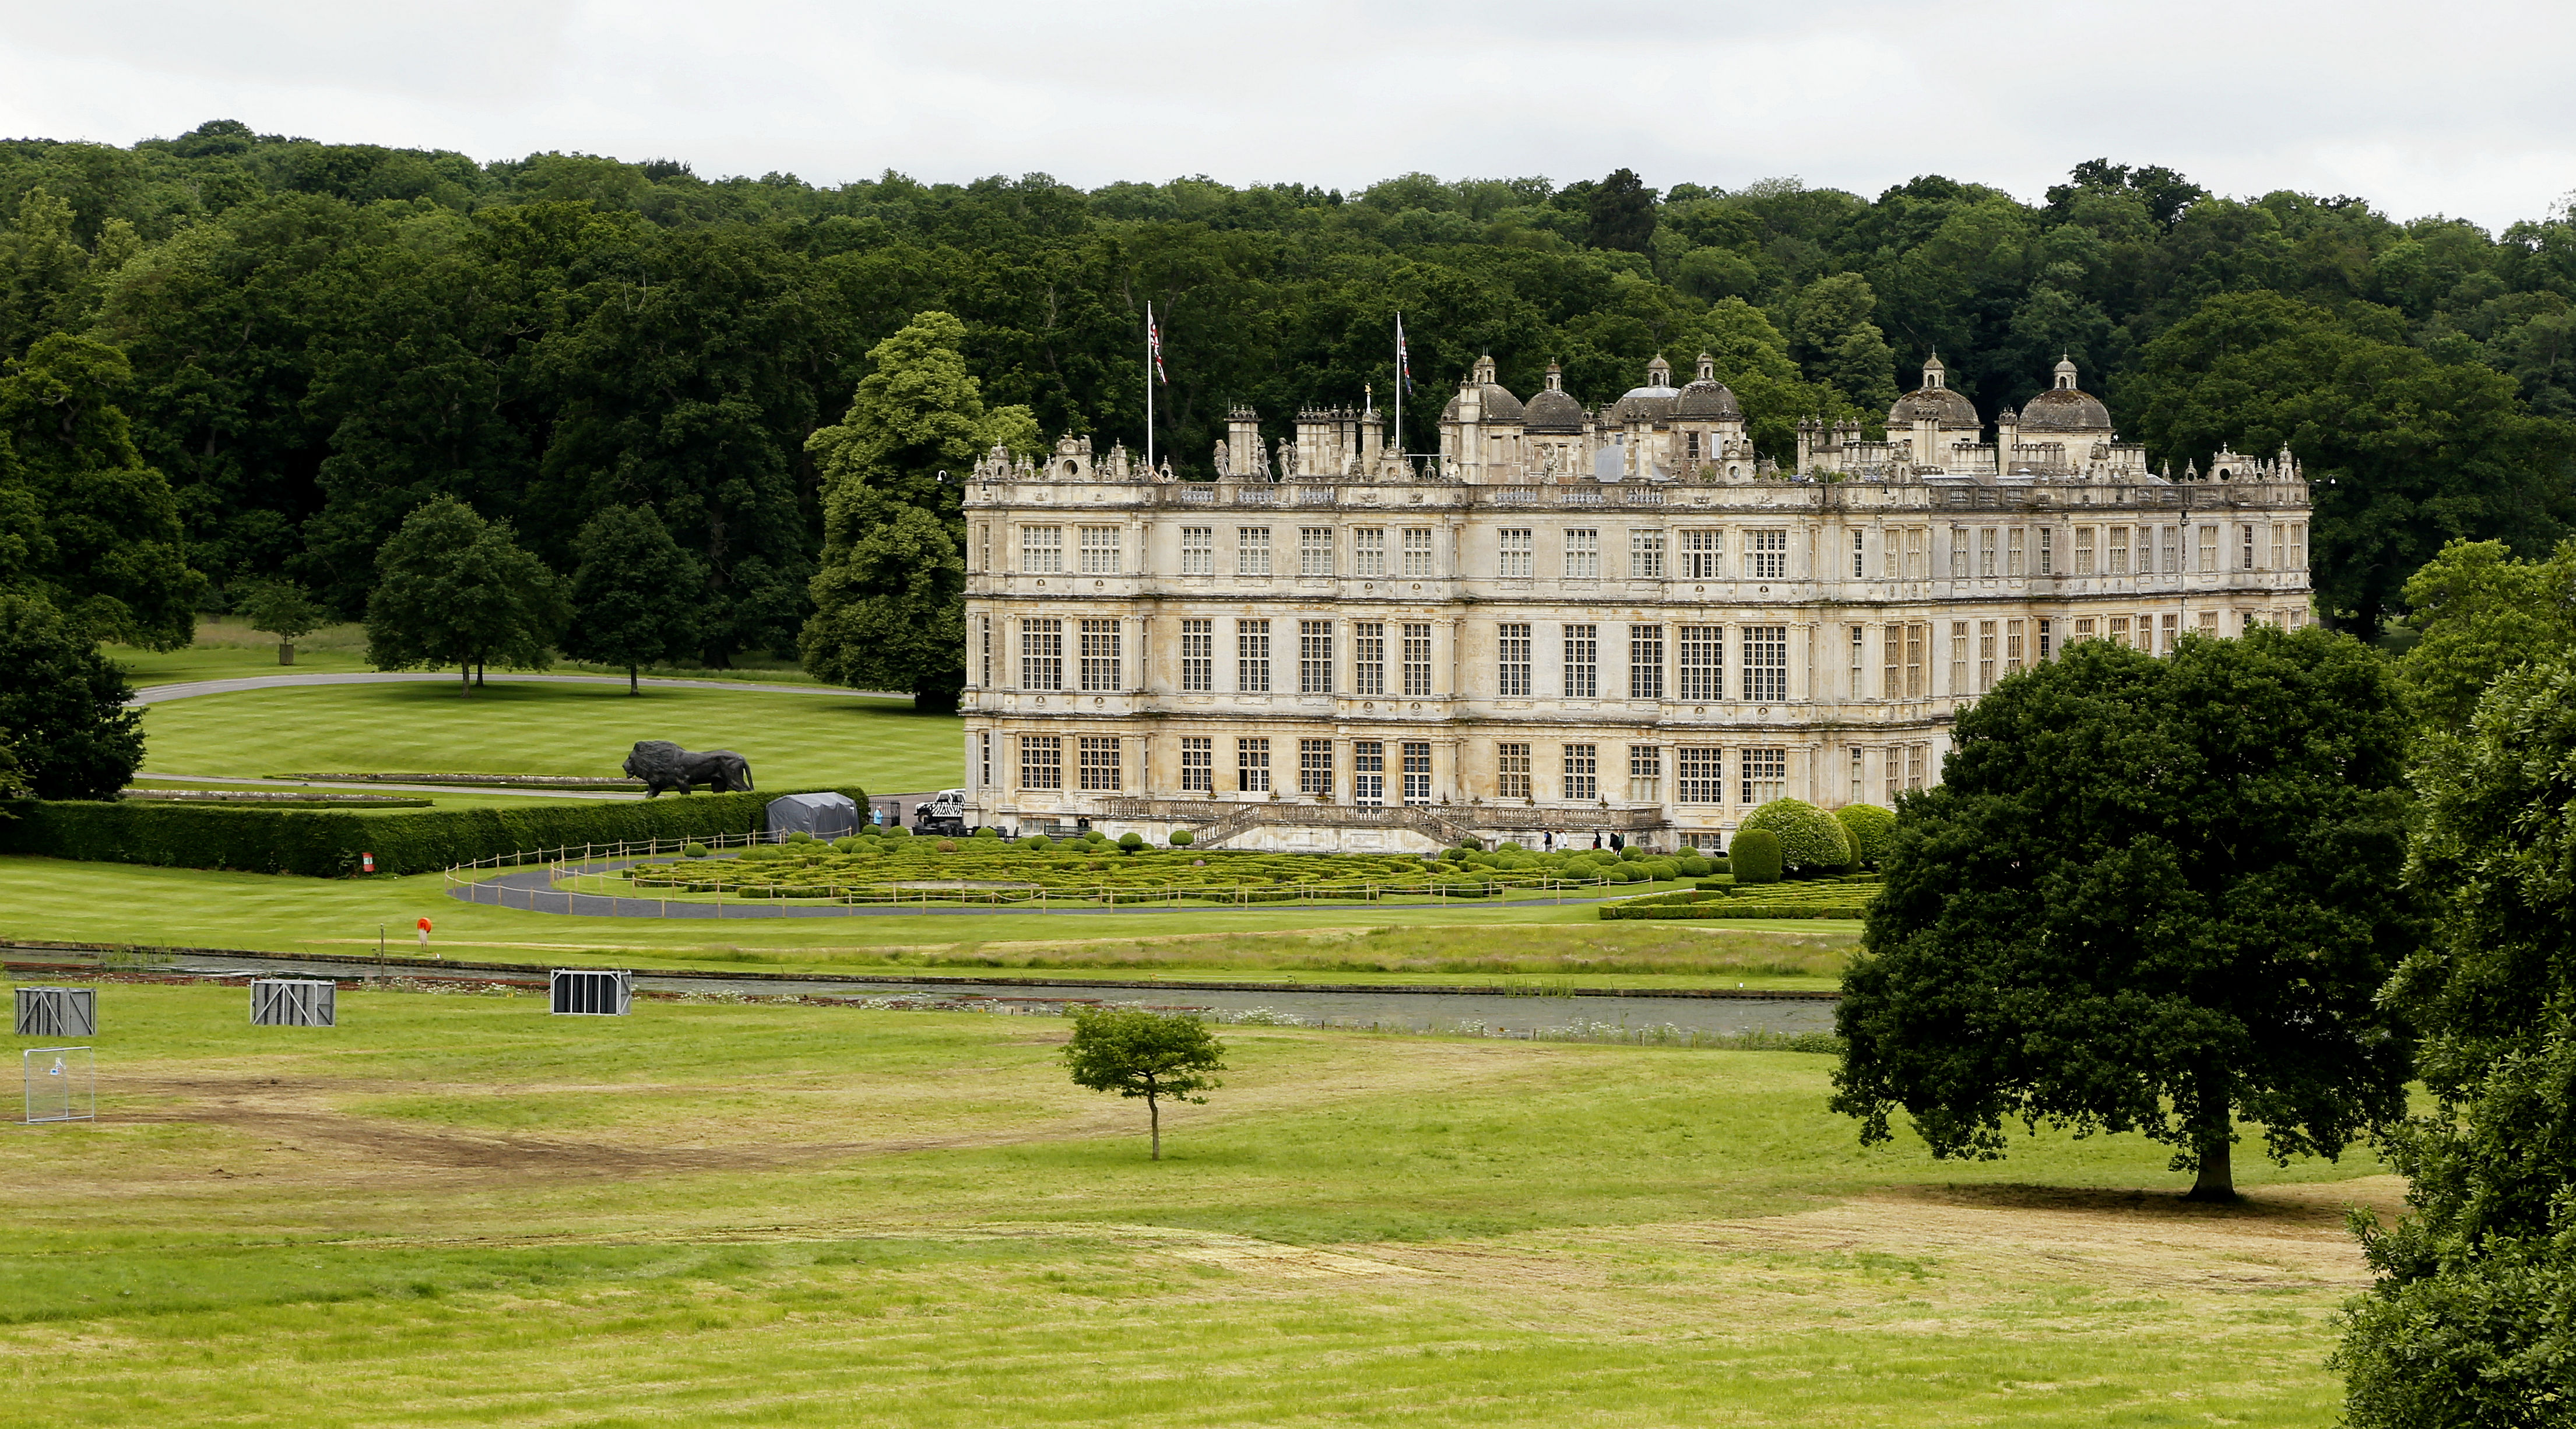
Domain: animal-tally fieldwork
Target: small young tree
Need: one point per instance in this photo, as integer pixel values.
(1136, 1053)
(63, 710)
(635, 595)
(282, 609)
(2148, 895)
(455, 588)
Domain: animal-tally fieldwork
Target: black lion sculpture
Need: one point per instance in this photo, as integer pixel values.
(664, 765)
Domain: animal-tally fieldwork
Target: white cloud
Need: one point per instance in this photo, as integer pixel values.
(2467, 116)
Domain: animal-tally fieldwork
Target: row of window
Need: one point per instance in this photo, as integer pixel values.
(1761, 554)
(1702, 774)
(1981, 652)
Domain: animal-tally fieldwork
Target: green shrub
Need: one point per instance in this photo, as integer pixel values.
(1755, 855)
(1632, 853)
(326, 843)
(897, 831)
(1183, 838)
(1037, 843)
(1694, 866)
(800, 837)
(988, 832)
(1870, 829)
(1811, 840)
(1509, 846)
(1629, 873)
(1131, 841)
(1663, 869)
(694, 850)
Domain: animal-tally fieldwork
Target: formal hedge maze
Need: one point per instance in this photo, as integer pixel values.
(878, 869)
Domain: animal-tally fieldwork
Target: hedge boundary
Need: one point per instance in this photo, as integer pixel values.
(326, 843)
(1728, 900)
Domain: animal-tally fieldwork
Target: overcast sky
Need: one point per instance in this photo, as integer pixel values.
(2462, 109)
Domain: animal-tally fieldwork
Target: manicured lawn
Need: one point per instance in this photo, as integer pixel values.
(792, 740)
(460, 1210)
(125, 903)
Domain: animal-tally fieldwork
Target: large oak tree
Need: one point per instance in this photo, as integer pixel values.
(2149, 895)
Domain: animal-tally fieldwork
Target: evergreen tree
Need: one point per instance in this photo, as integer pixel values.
(456, 589)
(890, 597)
(64, 720)
(635, 595)
(2148, 895)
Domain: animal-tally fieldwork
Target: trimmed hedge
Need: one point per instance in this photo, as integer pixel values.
(1755, 855)
(1809, 837)
(1871, 830)
(325, 843)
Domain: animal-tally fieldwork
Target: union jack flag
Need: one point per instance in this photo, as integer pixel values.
(1154, 346)
(1403, 363)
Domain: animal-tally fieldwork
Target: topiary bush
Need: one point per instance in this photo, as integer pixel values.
(1131, 841)
(695, 850)
(1037, 843)
(1183, 838)
(1694, 866)
(1755, 856)
(1870, 828)
(1811, 840)
(988, 832)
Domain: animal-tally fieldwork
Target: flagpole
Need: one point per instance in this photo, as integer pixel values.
(1399, 386)
(1149, 389)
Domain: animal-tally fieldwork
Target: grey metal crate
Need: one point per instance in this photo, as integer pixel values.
(56, 1012)
(584, 992)
(294, 1002)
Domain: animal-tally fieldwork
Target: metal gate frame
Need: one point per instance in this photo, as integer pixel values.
(55, 1012)
(590, 992)
(77, 1091)
(294, 1002)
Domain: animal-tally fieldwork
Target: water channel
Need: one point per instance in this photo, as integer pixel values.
(1543, 1011)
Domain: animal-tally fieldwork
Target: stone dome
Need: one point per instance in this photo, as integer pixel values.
(1499, 403)
(1652, 402)
(1707, 401)
(1552, 409)
(2065, 407)
(1949, 411)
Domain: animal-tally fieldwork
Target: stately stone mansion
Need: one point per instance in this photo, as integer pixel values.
(1569, 620)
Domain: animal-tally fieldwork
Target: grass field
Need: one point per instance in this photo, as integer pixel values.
(459, 1210)
(125, 903)
(792, 740)
(226, 648)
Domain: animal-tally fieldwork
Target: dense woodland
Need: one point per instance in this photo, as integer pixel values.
(309, 341)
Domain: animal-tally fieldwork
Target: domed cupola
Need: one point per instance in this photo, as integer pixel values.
(1949, 411)
(1652, 402)
(1551, 409)
(2066, 408)
(1498, 404)
(1707, 399)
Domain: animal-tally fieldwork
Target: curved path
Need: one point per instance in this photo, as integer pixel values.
(532, 889)
(156, 694)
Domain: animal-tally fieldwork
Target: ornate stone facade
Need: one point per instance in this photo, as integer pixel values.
(1568, 620)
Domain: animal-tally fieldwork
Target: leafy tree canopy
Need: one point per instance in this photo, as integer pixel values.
(64, 721)
(1136, 1053)
(2479, 613)
(2148, 895)
(635, 594)
(456, 589)
(2473, 1317)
